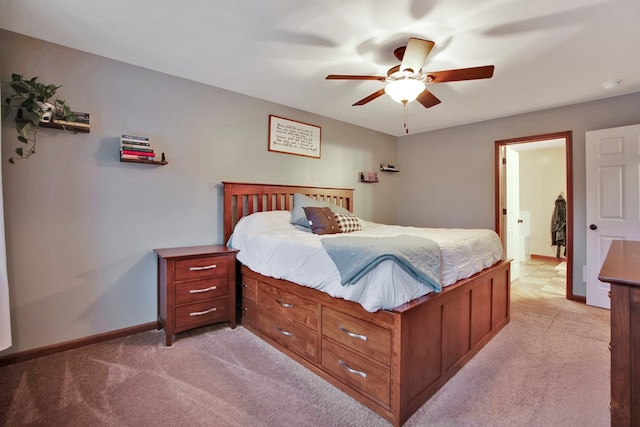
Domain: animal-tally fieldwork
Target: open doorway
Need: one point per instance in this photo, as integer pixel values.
(508, 215)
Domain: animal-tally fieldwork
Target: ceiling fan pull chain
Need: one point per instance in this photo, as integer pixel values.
(406, 117)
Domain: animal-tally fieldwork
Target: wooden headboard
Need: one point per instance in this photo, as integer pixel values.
(241, 199)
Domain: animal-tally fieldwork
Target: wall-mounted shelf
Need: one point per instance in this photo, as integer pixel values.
(150, 162)
(55, 125)
(388, 168)
(138, 149)
(369, 177)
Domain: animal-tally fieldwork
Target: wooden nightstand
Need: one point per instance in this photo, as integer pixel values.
(196, 287)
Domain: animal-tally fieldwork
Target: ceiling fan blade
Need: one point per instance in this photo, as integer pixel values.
(427, 99)
(472, 73)
(371, 97)
(350, 77)
(415, 54)
(399, 53)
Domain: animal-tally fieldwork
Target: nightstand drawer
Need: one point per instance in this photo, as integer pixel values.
(201, 313)
(200, 268)
(200, 290)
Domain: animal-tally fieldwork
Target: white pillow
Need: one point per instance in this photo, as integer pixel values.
(261, 221)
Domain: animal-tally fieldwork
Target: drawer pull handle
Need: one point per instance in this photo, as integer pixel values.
(206, 267)
(284, 304)
(609, 345)
(283, 332)
(351, 370)
(200, 313)
(351, 334)
(242, 285)
(197, 291)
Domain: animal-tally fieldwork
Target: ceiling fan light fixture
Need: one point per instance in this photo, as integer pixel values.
(405, 90)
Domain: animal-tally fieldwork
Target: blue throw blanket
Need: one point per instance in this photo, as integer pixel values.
(355, 256)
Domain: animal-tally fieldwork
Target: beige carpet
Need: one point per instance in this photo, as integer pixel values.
(548, 367)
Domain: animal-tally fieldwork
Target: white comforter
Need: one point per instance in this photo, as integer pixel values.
(273, 247)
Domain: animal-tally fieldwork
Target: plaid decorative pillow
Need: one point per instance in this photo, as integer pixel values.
(347, 223)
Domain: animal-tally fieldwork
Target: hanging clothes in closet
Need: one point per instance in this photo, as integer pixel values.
(559, 225)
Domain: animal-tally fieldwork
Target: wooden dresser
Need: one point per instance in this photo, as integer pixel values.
(196, 287)
(621, 269)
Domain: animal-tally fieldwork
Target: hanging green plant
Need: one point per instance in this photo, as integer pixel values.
(32, 100)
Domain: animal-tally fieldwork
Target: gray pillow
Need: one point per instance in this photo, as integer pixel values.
(298, 217)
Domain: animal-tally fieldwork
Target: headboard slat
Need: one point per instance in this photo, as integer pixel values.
(241, 199)
(250, 204)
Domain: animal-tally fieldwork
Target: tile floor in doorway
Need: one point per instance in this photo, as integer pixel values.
(542, 277)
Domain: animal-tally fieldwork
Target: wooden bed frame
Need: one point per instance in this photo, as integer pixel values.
(392, 361)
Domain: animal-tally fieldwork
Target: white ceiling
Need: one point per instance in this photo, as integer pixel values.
(547, 53)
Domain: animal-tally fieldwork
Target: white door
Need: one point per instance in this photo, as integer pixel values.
(613, 188)
(513, 210)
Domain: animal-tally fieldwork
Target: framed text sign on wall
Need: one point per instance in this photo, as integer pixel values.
(293, 137)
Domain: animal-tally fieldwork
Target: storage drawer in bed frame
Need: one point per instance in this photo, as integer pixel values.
(392, 361)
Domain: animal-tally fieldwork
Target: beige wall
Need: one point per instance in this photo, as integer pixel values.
(81, 226)
(542, 179)
(447, 177)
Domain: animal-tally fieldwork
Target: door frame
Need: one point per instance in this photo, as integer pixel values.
(500, 194)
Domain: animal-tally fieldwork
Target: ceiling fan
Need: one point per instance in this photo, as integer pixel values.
(407, 81)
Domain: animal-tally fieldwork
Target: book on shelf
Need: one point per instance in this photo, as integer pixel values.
(132, 157)
(136, 144)
(133, 147)
(135, 138)
(139, 153)
(77, 119)
(80, 117)
(69, 123)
